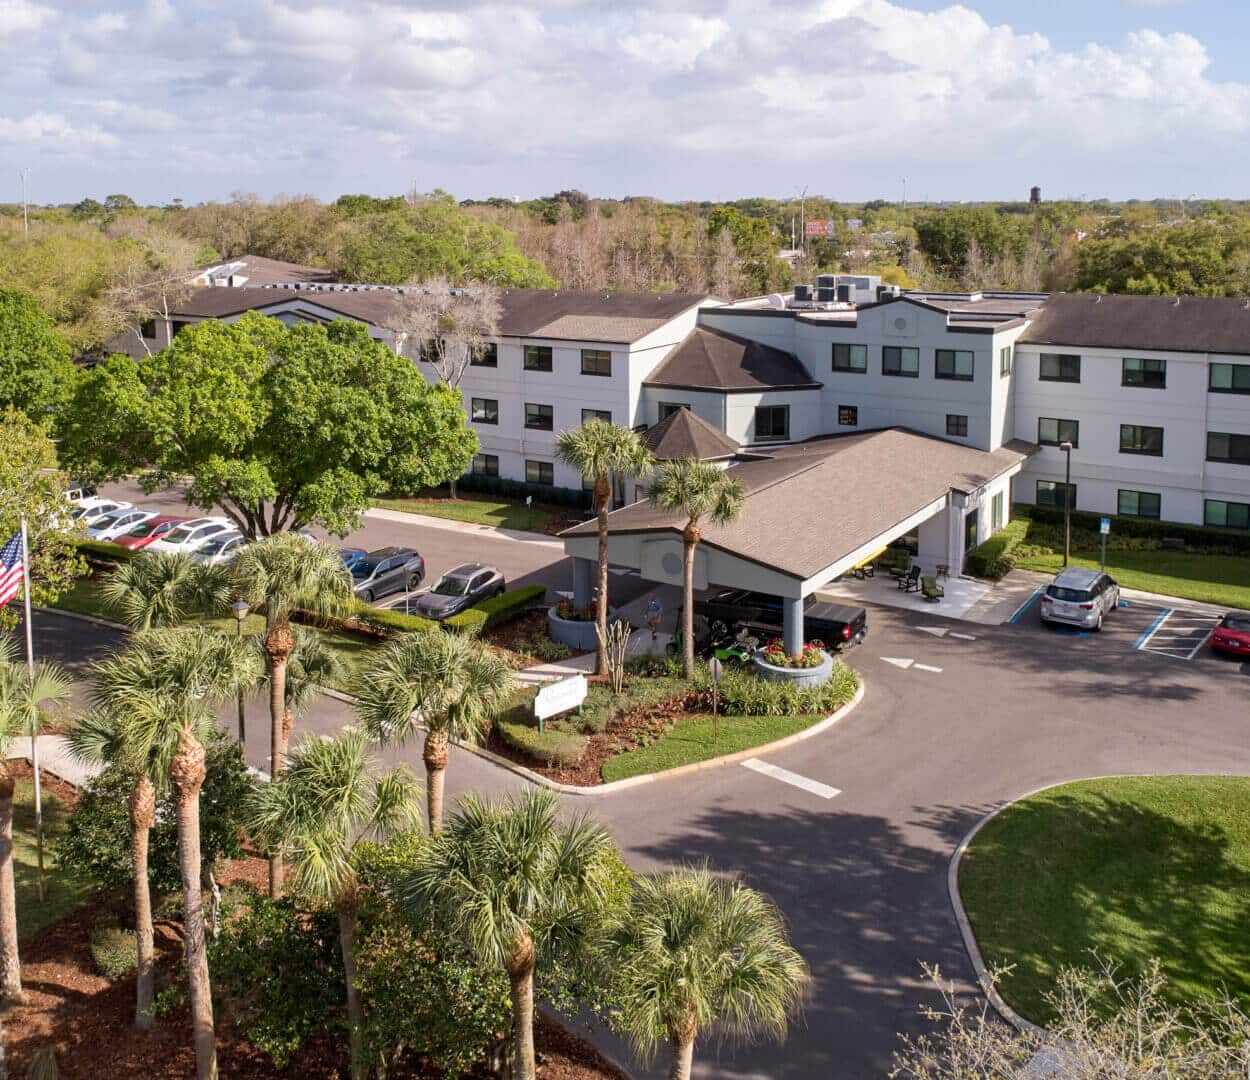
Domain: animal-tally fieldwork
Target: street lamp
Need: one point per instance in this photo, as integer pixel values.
(1066, 447)
(240, 610)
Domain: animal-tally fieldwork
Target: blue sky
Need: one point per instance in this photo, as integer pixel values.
(675, 98)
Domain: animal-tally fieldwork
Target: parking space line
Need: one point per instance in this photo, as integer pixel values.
(1146, 634)
(1204, 640)
(1025, 606)
(815, 787)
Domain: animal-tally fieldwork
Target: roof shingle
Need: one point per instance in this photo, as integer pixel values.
(684, 434)
(1166, 323)
(714, 360)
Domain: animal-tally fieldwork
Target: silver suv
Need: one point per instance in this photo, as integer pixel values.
(1080, 598)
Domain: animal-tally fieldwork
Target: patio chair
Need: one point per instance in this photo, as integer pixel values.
(930, 589)
(910, 581)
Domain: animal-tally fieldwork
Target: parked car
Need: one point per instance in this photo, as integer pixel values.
(385, 571)
(1080, 598)
(730, 610)
(91, 510)
(118, 523)
(149, 531)
(192, 535)
(459, 589)
(221, 548)
(351, 556)
(1232, 635)
(78, 494)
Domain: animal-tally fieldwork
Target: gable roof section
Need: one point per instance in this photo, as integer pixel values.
(1168, 324)
(715, 360)
(684, 434)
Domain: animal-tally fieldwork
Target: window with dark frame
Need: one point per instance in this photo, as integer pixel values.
(1051, 493)
(1004, 360)
(667, 408)
(539, 417)
(956, 425)
(537, 357)
(852, 358)
(540, 472)
(596, 362)
(176, 327)
(484, 410)
(485, 464)
(848, 416)
(1053, 432)
(998, 507)
(596, 414)
(1228, 447)
(1144, 371)
(147, 329)
(1220, 514)
(485, 356)
(1139, 439)
(772, 423)
(900, 361)
(1143, 504)
(1229, 379)
(953, 364)
(1059, 367)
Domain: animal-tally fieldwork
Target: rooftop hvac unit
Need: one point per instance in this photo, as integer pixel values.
(887, 292)
(846, 294)
(803, 292)
(826, 295)
(826, 281)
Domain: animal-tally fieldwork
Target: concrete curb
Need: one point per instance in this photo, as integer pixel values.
(408, 517)
(80, 617)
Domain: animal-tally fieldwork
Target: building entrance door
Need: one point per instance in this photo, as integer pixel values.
(972, 529)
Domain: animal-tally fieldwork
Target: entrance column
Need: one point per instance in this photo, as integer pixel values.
(792, 632)
(583, 581)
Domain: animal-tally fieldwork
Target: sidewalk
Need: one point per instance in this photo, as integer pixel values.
(403, 517)
(54, 757)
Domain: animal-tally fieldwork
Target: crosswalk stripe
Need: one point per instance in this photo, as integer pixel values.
(815, 787)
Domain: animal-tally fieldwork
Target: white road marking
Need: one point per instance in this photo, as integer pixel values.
(926, 667)
(936, 631)
(964, 637)
(1179, 634)
(788, 777)
(898, 661)
(1200, 644)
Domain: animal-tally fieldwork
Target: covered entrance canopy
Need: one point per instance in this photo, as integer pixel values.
(813, 511)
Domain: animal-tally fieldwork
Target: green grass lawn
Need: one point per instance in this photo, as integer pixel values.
(64, 892)
(691, 741)
(502, 515)
(1213, 579)
(1134, 868)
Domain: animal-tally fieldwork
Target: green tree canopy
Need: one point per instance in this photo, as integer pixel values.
(945, 235)
(278, 427)
(36, 373)
(1197, 259)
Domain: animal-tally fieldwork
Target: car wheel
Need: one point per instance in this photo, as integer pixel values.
(413, 582)
(719, 629)
(1098, 624)
(367, 596)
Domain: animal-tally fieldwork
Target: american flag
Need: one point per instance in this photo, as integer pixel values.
(10, 569)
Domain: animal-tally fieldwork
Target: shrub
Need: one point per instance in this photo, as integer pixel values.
(113, 950)
(743, 693)
(510, 604)
(386, 621)
(650, 666)
(994, 559)
(812, 655)
(1197, 537)
(471, 622)
(558, 744)
(103, 551)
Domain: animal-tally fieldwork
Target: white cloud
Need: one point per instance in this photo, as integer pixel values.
(54, 126)
(20, 15)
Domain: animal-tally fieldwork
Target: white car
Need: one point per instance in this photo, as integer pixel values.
(89, 511)
(113, 525)
(78, 495)
(221, 548)
(192, 535)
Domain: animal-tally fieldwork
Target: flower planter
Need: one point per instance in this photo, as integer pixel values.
(574, 633)
(806, 676)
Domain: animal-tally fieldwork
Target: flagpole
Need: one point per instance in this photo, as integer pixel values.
(34, 741)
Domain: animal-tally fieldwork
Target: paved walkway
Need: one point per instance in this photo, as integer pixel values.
(54, 757)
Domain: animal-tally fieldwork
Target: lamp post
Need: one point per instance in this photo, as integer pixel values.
(240, 610)
(1066, 447)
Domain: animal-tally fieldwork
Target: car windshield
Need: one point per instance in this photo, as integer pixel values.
(1072, 596)
(108, 521)
(178, 536)
(78, 513)
(451, 586)
(215, 545)
(1237, 622)
(365, 567)
(147, 528)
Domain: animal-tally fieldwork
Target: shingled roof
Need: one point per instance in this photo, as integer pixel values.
(1167, 323)
(684, 434)
(714, 360)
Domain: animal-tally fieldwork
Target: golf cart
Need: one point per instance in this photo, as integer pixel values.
(716, 639)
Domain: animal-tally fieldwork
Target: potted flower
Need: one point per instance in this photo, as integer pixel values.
(810, 666)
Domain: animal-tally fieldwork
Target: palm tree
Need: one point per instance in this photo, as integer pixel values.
(326, 800)
(693, 951)
(22, 694)
(275, 575)
(598, 450)
(517, 888)
(312, 665)
(451, 684)
(697, 490)
(164, 686)
(162, 588)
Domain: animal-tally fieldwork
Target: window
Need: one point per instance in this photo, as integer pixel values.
(1059, 367)
(596, 414)
(176, 327)
(1227, 515)
(539, 417)
(596, 362)
(1136, 439)
(1140, 371)
(900, 361)
(537, 357)
(998, 506)
(953, 364)
(1051, 432)
(1051, 493)
(1234, 449)
(485, 464)
(848, 416)
(427, 351)
(1145, 504)
(486, 356)
(540, 472)
(1004, 360)
(1229, 379)
(850, 358)
(148, 329)
(484, 411)
(772, 422)
(667, 408)
(956, 425)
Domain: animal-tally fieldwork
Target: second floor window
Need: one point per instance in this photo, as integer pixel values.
(485, 356)
(1004, 360)
(1059, 367)
(1136, 439)
(596, 362)
(667, 408)
(596, 414)
(148, 330)
(953, 364)
(772, 422)
(850, 358)
(537, 357)
(1229, 379)
(1223, 446)
(903, 362)
(1051, 432)
(539, 417)
(484, 410)
(1144, 371)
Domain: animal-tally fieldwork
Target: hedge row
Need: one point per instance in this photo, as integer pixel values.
(1195, 536)
(557, 745)
(508, 605)
(994, 558)
(386, 620)
(104, 551)
(519, 489)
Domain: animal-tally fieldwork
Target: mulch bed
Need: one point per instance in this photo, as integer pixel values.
(505, 638)
(50, 783)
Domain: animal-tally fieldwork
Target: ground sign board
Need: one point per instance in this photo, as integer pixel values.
(560, 696)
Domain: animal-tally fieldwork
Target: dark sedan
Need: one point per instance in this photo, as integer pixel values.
(459, 589)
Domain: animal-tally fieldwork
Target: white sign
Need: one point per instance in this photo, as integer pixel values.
(559, 696)
(1104, 526)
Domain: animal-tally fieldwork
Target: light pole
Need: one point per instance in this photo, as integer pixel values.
(1066, 447)
(240, 610)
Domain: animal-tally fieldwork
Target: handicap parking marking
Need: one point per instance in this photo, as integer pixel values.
(1019, 612)
(815, 787)
(1178, 633)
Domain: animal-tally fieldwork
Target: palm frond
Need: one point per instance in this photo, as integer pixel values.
(286, 571)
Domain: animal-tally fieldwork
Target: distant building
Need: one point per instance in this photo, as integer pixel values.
(1035, 195)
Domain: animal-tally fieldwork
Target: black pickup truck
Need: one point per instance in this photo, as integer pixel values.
(834, 625)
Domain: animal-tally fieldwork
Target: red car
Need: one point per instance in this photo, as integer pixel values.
(1232, 636)
(152, 529)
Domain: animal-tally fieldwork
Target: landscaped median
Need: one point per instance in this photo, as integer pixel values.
(1129, 868)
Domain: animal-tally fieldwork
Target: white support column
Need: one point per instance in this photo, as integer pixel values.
(792, 633)
(583, 582)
